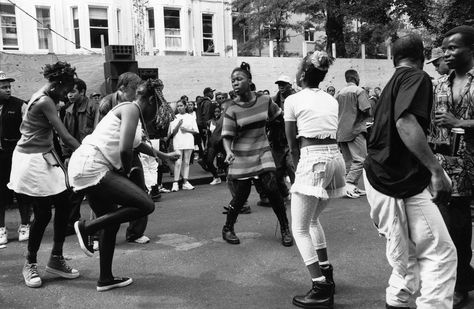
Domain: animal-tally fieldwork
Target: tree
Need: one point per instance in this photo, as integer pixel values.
(265, 20)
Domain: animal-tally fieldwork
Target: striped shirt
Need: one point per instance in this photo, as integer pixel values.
(244, 123)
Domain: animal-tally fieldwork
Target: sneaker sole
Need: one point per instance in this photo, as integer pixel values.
(81, 243)
(115, 286)
(34, 285)
(61, 273)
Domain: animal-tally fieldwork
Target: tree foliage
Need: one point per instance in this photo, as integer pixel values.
(266, 20)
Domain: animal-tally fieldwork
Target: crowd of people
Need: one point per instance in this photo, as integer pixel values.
(411, 145)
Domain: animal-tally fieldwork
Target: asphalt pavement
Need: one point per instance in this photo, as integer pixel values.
(188, 265)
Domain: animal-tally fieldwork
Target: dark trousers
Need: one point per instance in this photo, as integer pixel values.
(114, 189)
(457, 216)
(137, 227)
(241, 190)
(42, 215)
(6, 195)
(212, 151)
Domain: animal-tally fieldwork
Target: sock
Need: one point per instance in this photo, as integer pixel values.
(324, 264)
(319, 279)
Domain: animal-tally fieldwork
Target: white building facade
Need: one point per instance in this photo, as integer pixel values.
(163, 27)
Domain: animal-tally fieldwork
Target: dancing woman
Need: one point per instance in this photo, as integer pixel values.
(102, 168)
(311, 119)
(36, 175)
(248, 151)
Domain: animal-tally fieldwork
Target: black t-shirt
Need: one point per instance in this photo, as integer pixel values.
(391, 168)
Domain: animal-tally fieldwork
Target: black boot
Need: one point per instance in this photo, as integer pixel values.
(286, 238)
(327, 271)
(228, 235)
(321, 296)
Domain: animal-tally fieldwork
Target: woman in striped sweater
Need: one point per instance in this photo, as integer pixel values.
(248, 151)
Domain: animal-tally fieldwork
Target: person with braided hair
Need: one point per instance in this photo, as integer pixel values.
(102, 168)
(36, 174)
(248, 152)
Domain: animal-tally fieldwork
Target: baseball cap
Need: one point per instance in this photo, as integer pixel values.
(4, 77)
(208, 89)
(283, 79)
(94, 94)
(436, 54)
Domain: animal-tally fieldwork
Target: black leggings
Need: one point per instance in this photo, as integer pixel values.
(42, 216)
(242, 191)
(114, 189)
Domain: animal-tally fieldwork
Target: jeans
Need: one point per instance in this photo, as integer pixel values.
(354, 153)
(419, 249)
(241, 193)
(114, 189)
(457, 216)
(307, 231)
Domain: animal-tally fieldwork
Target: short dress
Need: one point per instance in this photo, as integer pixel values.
(184, 140)
(321, 168)
(31, 174)
(99, 152)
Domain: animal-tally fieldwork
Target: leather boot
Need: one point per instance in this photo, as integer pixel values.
(321, 296)
(228, 235)
(327, 271)
(286, 238)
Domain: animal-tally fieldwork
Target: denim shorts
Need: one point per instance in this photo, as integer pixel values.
(320, 172)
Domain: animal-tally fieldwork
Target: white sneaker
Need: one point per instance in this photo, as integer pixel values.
(23, 232)
(187, 186)
(163, 190)
(3, 235)
(142, 240)
(216, 181)
(175, 187)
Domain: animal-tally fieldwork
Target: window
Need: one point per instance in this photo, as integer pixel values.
(275, 34)
(207, 37)
(75, 26)
(8, 24)
(98, 26)
(172, 29)
(309, 34)
(151, 26)
(44, 24)
(119, 20)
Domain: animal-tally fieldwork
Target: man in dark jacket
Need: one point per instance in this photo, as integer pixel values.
(11, 114)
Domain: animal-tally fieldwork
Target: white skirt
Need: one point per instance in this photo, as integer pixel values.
(33, 176)
(320, 172)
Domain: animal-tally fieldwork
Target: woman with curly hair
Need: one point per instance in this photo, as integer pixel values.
(311, 119)
(248, 152)
(36, 175)
(102, 168)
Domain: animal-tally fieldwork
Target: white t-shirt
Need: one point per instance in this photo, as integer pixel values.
(315, 113)
(184, 140)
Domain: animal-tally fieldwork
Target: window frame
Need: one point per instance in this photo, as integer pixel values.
(204, 37)
(43, 28)
(172, 36)
(106, 39)
(151, 31)
(77, 35)
(15, 26)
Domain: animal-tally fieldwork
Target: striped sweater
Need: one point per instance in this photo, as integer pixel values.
(244, 123)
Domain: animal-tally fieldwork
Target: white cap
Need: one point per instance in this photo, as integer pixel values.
(283, 79)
